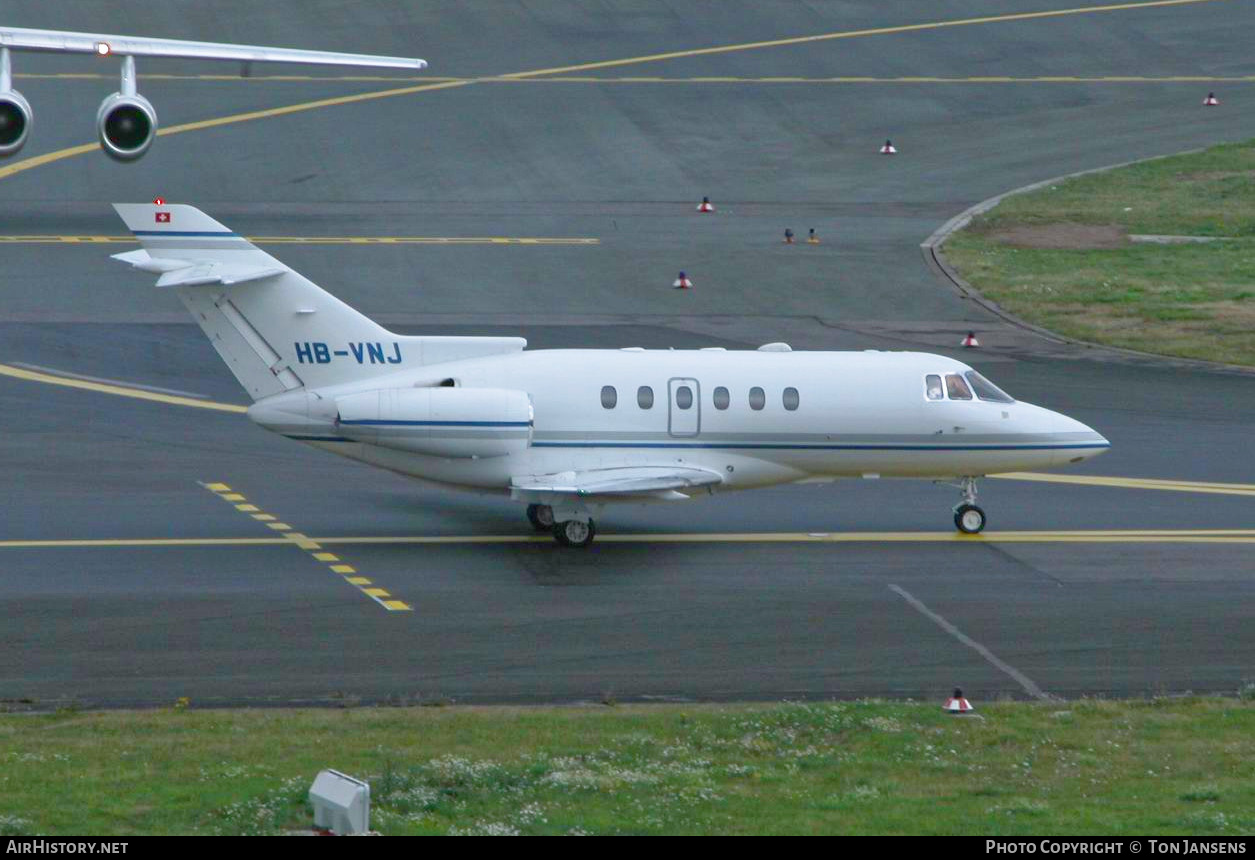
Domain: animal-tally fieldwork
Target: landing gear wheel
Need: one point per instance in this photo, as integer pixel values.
(541, 517)
(575, 533)
(969, 519)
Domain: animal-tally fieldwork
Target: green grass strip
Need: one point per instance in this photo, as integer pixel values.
(1173, 767)
(1060, 257)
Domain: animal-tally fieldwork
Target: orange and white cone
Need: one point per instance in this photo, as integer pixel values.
(1211, 100)
(956, 704)
(705, 205)
(682, 282)
(888, 148)
(970, 341)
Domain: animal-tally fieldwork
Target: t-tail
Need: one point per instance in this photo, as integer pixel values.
(275, 329)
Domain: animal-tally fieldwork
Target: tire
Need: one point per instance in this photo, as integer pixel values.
(969, 519)
(541, 517)
(575, 533)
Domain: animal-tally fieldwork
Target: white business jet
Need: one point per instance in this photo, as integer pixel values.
(569, 430)
(126, 122)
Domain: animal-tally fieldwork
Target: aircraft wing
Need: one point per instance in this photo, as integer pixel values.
(21, 39)
(663, 481)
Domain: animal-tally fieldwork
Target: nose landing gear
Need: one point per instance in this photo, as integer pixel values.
(968, 518)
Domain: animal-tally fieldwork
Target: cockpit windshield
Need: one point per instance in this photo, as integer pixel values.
(986, 390)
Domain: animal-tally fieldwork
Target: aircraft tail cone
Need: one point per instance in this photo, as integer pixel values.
(1211, 100)
(682, 282)
(970, 342)
(957, 705)
(888, 148)
(705, 205)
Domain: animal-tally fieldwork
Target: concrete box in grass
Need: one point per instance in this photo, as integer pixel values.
(341, 803)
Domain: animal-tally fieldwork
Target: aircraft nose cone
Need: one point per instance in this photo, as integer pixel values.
(1082, 441)
(1071, 440)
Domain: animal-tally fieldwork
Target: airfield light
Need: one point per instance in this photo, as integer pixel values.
(159, 201)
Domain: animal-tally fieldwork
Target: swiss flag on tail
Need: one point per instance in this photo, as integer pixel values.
(163, 217)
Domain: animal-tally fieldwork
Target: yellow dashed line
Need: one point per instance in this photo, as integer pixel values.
(302, 541)
(290, 536)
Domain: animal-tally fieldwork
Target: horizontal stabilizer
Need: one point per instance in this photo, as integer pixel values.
(190, 273)
(623, 481)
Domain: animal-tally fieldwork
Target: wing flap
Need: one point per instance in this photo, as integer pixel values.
(622, 481)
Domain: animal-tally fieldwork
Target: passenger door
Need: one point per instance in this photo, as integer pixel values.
(685, 407)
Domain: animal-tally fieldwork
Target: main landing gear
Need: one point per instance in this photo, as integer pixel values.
(576, 532)
(968, 518)
(541, 517)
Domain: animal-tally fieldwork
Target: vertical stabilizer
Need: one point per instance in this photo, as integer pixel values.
(275, 329)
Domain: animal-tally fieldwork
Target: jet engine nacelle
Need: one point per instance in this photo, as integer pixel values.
(127, 125)
(439, 422)
(15, 122)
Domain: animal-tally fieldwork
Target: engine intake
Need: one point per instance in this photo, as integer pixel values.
(15, 122)
(439, 422)
(127, 125)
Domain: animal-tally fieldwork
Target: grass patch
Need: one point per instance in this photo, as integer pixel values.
(1050, 256)
(1179, 767)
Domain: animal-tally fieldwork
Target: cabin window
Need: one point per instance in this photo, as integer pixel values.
(758, 398)
(956, 388)
(645, 397)
(684, 397)
(932, 387)
(722, 398)
(609, 397)
(986, 390)
(791, 399)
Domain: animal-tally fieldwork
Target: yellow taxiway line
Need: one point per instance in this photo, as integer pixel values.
(116, 390)
(1182, 536)
(1133, 483)
(40, 239)
(854, 34)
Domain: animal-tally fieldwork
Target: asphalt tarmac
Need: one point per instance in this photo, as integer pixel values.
(811, 592)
